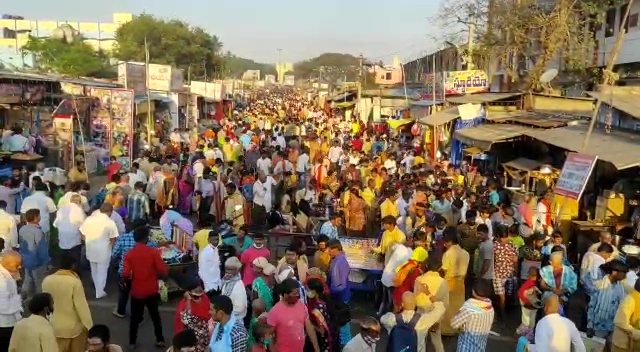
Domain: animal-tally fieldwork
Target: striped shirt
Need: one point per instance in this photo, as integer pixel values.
(138, 206)
(474, 320)
(605, 299)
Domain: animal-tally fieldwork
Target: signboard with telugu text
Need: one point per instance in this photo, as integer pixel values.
(575, 175)
(160, 77)
(458, 82)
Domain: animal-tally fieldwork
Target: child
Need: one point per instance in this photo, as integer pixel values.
(529, 295)
(263, 335)
(514, 236)
(258, 307)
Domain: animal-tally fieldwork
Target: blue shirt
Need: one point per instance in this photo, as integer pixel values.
(494, 198)
(329, 230)
(123, 245)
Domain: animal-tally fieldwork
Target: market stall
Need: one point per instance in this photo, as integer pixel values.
(366, 269)
(178, 256)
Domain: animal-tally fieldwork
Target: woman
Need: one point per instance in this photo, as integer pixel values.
(317, 306)
(185, 189)
(193, 313)
(356, 214)
(557, 278)
(262, 286)
(168, 193)
(233, 287)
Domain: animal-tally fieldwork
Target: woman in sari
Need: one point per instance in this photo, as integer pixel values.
(168, 193)
(262, 286)
(185, 190)
(318, 308)
(558, 278)
(356, 218)
(193, 313)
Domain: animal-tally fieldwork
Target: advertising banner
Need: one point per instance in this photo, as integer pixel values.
(133, 76)
(575, 175)
(457, 82)
(210, 90)
(160, 77)
(112, 123)
(289, 80)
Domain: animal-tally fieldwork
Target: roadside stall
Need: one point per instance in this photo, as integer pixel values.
(366, 269)
(526, 175)
(178, 256)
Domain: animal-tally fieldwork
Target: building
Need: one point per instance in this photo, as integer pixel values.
(447, 59)
(607, 33)
(15, 32)
(389, 75)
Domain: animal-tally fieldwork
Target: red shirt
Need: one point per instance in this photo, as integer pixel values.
(112, 170)
(357, 144)
(525, 286)
(407, 286)
(144, 266)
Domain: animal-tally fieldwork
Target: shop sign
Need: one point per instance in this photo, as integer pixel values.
(133, 76)
(575, 175)
(10, 90)
(33, 93)
(458, 82)
(199, 88)
(209, 90)
(160, 77)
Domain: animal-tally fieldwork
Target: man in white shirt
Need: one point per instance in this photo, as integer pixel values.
(68, 221)
(605, 237)
(9, 194)
(76, 189)
(8, 228)
(209, 266)
(39, 200)
(335, 152)
(136, 175)
(422, 322)
(174, 137)
(264, 164)
(262, 202)
(39, 173)
(400, 254)
(282, 167)
(99, 233)
(302, 166)
(10, 299)
(555, 333)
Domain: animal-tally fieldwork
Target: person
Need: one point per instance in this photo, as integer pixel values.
(356, 211)
(429, 288)
(398, 255)
(99, 233)
(368, 337)
(330, 228)
(138, 203)
(35, 252)
(185, 188)
(290, 320)
(474, 319)
(605, 237)
(319, 315)
(40, 200)
(528, 296)
(233, 287)
(555, 273)
(68, 221)
(8, 228)
(99, 340)
(390, 235)
(505, 259)
(263, 336)
(626, 331)
(262, 286)
(10, 299)
(407, 274)
(71, 318)
(229, 334)
(606, 297)
(35, 332)
(555, 332)
(421, 322)
(455, 262)
(258, 310)
(485, 260)
(209, 265)
(78, 173)
(234, 207)
(184, 341)
(295, 260)
(193, 314)
(321, 257)
(241, 242)
(143, 265)
(257, 250)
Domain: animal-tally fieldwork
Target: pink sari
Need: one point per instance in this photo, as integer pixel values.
(185, 190)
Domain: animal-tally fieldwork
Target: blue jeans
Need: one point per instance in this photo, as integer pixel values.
(302, 180)
(123, 298)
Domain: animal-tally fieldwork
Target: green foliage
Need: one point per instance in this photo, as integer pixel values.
(74, 59)
(171, 42)
(329, 66)
(235, 66)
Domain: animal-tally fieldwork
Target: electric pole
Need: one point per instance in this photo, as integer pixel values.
(150, 122)
(359, 85)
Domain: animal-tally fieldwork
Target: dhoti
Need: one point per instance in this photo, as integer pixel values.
(456, 299)
(99, 271)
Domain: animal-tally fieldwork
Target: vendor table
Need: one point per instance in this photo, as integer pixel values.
(584, 234)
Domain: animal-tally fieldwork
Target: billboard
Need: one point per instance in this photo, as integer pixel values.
(270, 79)
(251, 75)
(289, 80)
(458, 82)
(575, 175)
(160, 77)
(133, 76)
(210, 90)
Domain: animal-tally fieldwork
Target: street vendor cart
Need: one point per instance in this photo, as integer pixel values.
(178, 256)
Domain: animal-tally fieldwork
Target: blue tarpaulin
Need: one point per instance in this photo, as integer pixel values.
(456, 145)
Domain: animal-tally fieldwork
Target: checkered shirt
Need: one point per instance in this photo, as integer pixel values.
(475, 324)
(123, 245)
(239, 336)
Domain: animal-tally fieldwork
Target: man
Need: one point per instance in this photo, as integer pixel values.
(455, 262)
(35, 252)
(368, 337)
(75, 188)
(429, 288)
(474, 319)
(555, 332)
(257, 250)
(626, 331)
(184, 341)
(605, 237)
(99, 233)
(330, 228)
(302, 167)
(338, 281)
(10, 299)
(209, 266)
(68, 221)
(8, 194)
(262, 195)
(605, 299)
(590, 269)
(35, 333)
(99, 340)
(397, 255)
(321, 257)
(39, 200)
(423, 321)
(138, 203)
(468, 232)
(136, 175)
(264, 163)
(290, 320)
(390, 235)
(484, 269)
(505, 267)
(234, 206)
(123, 245)
(229, 333)
(16, 143)
(8, 228)
(71, 319)
(143, 265)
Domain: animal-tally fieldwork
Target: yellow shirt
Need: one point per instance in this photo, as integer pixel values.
(389, 237)
(201, 238)
(418, 160)
(388, 208)
(75, 175)
(622, 324)
(438, 287)
(369, 196)
(227, 150)
(455, 262)
(366, 147)
(378, 182)
(34, 333)
(71, 314)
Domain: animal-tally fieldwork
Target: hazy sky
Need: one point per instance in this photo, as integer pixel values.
(380, 29)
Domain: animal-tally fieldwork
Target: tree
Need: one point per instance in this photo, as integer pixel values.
(73, 58)
(516, 35)
(170, 42)
(235, 66)
(329, 66)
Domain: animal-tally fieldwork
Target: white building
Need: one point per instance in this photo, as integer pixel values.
(607, 33)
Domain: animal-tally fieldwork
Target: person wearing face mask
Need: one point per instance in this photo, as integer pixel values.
(247, 258)
(35, 333)
(233, 287)
(10, 299)
(193, 313)
(368, 337)
(229, 334)
(209, 265)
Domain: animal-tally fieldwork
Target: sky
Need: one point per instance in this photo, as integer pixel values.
(256, 29)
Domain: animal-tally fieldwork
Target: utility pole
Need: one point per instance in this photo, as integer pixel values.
(150, 122)
(189, 114)
(359, 85)
(433, 82)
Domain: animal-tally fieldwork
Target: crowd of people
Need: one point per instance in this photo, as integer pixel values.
(456, 248)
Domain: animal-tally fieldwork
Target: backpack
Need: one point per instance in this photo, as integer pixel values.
(403, 336)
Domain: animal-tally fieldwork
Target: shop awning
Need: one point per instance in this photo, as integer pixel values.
(619, 148)
(523, 164)
(440, 117)
(481, 98)
(345, 104)
(625, 102)
(473, 150)
(484, 136)
(341, 96)
(399, 123)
